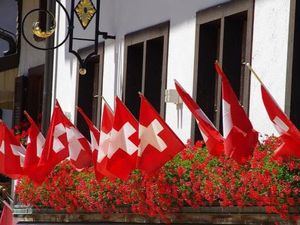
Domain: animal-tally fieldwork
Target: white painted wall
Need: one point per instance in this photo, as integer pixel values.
(121, 17)
(270, 39)
(269, 58)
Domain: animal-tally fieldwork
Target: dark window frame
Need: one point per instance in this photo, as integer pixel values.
(142, 36)
(98, 59)
(292, 66)
(215, 13)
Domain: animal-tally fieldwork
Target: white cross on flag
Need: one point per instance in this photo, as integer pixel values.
(289, 134)
(240, 137)
(158, 143)
(99, 140)
(123, 145)
(55, 148)
(11, 153)
(35, 144)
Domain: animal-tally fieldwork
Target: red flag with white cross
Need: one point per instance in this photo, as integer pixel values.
(98, 141)
(289, 134)
(124, 141)
(240, 137)
(211, 136)
(55, 148)
(158, 143)
(34, 148)
(104, 141)
(11, 153)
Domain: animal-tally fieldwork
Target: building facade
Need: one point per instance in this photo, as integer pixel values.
(159, 41)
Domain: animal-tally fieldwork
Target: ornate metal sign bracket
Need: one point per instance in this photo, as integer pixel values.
(85, 11)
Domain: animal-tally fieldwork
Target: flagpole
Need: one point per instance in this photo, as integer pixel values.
(254, 73)
(106, 103)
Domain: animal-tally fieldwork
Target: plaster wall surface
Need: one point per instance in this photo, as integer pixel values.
(269, 58)
(122, 17)
(269, 52)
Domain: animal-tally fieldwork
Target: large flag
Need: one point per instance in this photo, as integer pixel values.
(240, 137)
(63, 141)
(95, 139)
(7, 217)
(35, 144)
(289, 133)
(158, 143)
(12, 153)
(104, 141)
(211, 136)
(80, 152)
(124, 141)
(55, 148)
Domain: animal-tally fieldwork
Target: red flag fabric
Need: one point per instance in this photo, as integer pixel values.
(289, 134)
(7, 215)
(211, 136)
(95, 138)
(63, 140)
(35, 144)
(55, 148)
(80, 152)
(104, 141)
(158, 143)
(123, 147)
(240, 137)
(11, 153)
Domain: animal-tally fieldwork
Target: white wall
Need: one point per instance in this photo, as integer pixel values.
(269, 57)
(269, 53)
(121, 17)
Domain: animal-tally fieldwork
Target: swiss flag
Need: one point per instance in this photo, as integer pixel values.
(105, 139)
(80, 152)
(95, 138)
(63, 141)
(240, 137)
(158, 143)
(211, 136)
(55, 148)
(35, 144)
(7, 217)
(124, 141)
(289, 134)
(11, 153)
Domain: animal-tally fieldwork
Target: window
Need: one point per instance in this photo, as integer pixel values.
(223, 33)
(90, 89)
(146, 67)
(292, 106)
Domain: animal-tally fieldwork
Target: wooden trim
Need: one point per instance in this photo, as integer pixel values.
(9, 62)
(148, 33)
(223, 10)
(84, 52)
(144, 35)
(290, 56)
(216, 13)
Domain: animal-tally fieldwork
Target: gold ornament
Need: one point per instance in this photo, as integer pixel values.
(85, 11)
(37, 31)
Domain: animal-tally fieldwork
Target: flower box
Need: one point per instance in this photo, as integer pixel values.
(193, 187)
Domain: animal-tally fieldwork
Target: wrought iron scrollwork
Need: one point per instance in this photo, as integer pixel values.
(80, 12)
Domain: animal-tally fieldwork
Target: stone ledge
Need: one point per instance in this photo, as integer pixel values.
(203, 215)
